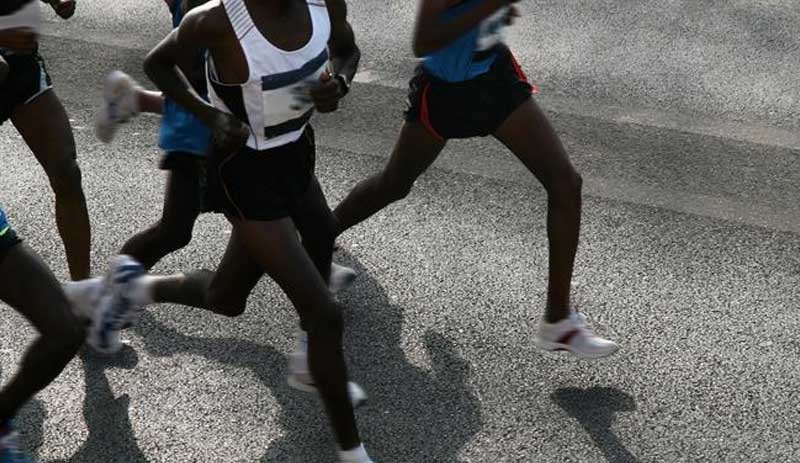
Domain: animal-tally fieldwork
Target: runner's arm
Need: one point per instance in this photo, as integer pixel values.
(432, 32)
(345, 54)
(200, 29)
(161, 64)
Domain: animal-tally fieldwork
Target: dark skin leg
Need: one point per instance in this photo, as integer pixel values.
(275, 246)
(174, 230)
(29, 286)
(529, 135)
(317, 227)
(223, 292)
(415, 151)
(56, 153)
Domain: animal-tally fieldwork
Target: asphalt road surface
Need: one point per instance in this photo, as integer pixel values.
(681, 115)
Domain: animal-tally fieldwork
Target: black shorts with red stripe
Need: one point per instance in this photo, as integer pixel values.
(472, 108)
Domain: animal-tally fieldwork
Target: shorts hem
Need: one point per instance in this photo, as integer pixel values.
(38, 94)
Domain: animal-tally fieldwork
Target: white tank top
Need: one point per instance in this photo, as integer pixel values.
(29, 15)
(266, 101)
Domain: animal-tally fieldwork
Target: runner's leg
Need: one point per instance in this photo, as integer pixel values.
(414, 152)
(45, 127)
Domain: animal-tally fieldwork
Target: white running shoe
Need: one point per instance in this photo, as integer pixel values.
(120, 103)
(84, 296)
(357, 455)
(300, 376)
(119, 306)
(572, 334)
(104, 337)
(341, 277)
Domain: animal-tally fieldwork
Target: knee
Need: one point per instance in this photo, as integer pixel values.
(225, 303)
(66, 178)
(566, 188)
(396, 189)
(175, 236)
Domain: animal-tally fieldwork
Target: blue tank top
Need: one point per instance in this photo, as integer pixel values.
(472, 54)
(181, 131)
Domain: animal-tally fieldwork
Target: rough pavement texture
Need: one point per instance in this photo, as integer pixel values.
(689, 259)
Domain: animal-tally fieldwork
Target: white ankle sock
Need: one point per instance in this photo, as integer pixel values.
(144, 291)
(83, 295)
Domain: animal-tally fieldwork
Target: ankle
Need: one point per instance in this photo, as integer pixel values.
(552, 315)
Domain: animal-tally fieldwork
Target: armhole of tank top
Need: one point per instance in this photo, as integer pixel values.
(211, 72)
(211, 67)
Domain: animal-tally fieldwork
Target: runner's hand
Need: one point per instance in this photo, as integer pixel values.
(229, 133)
(64, 8)
(20, 40)
(326, 94)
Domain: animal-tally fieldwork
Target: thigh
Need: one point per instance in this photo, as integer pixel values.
(44, 125)
(274, 245)
(529, 135)
(312, 215)
(182, 197)
(414, 152)
(238, 272)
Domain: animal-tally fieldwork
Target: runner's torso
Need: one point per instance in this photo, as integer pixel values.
(20, 13)
(266, 100)
(473, 53)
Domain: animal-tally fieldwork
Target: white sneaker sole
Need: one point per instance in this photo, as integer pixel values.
(557, 347)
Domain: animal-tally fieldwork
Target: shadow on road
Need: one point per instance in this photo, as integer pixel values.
(412, 415)
(111, 437)
(30, 423)
(594, 409)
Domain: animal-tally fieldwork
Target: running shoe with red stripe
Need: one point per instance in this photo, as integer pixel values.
(572, 335)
